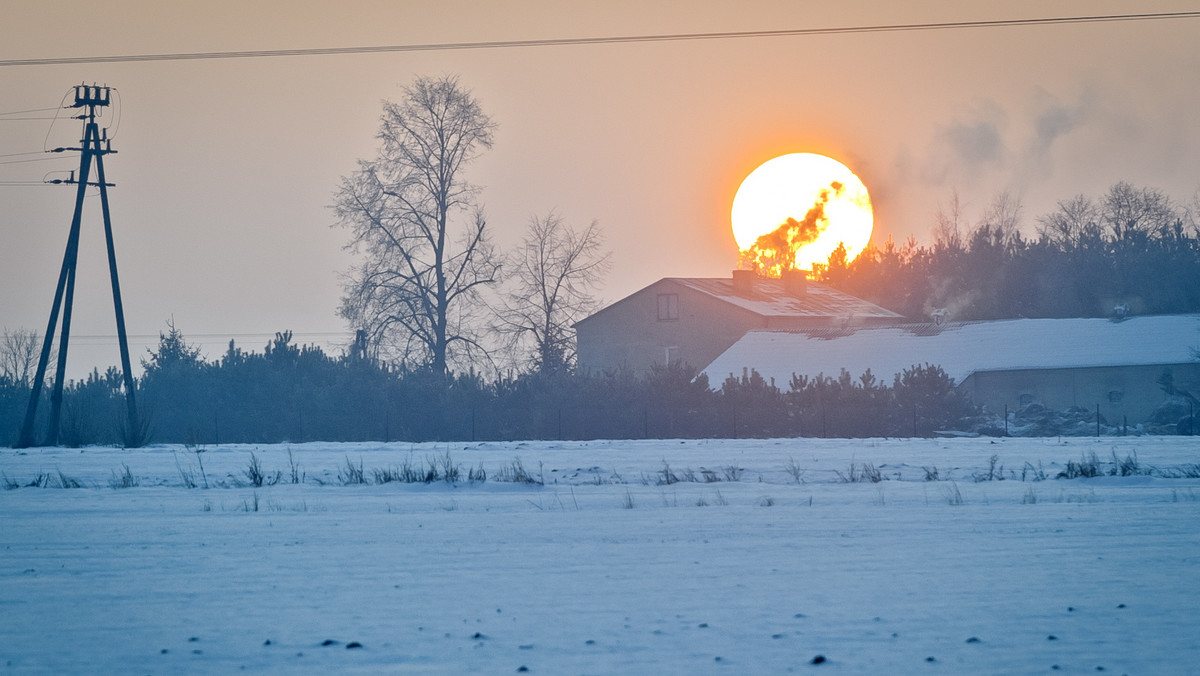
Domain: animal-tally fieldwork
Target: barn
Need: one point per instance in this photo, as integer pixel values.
(1125, 368)
(693, 320)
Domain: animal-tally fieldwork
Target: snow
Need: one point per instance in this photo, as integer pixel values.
(490, 577)
(962, 349)
(771, 299)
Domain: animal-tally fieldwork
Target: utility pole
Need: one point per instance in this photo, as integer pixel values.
(92, 148)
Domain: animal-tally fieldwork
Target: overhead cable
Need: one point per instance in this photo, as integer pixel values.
(613, 39)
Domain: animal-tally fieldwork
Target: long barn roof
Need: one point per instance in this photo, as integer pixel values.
(964, 348)
(769, 299)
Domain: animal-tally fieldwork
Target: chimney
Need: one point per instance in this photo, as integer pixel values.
(743, 282)
(795, 283)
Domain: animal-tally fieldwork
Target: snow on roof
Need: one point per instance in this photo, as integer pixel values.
(962, 349)
(769, 299)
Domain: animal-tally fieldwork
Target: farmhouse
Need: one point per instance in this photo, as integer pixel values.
(693, 320)
(1118, 366)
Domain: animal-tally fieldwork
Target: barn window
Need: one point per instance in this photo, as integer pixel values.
(1115, 396)
(1026, 399)
(672, 354)
(668, 307)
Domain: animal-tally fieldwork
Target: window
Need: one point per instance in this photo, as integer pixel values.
(1115, 396)
(668, 307)
(1026, 399)
(672, 354)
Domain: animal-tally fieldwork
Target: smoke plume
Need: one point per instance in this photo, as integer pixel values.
(775, 251)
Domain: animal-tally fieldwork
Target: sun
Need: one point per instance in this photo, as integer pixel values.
(794, 211)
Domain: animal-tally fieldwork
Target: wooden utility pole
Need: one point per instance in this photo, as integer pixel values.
(92, 148)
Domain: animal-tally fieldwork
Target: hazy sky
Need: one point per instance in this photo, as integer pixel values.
(225, 168)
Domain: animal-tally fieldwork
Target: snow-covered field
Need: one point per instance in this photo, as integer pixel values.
(604, 569)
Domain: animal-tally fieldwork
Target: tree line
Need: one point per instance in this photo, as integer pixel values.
(457, 341)
(1130, 251)
(297, 393)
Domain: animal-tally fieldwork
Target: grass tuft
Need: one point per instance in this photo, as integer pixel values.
(65, 481)
(867, 473)
(516, 473)
(1127, 466)
(297, 476)
(1033, 473)
(125, 479)
(794, 470)
(995, 471)
(665, 476)
(352, 475)
(1088, 467)
(953, 495)
(259, 478)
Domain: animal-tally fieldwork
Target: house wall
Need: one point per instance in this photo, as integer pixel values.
(1123, 392)
(629, 334)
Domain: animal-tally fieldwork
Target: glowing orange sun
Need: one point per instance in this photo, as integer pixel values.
(794, 210)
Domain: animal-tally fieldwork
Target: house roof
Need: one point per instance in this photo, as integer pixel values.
(964, 348)
(769, 299)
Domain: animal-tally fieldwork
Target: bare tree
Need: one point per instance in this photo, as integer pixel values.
(553, 275)
(948, 224)
(417, 290)
(19, 351)
(1075, 221)
(1132, 212)
(1001, 222)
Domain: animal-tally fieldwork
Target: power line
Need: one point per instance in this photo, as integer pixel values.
(614, 39)
(222, 336)
(25, 112)
(35, 159)
(34, 152)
